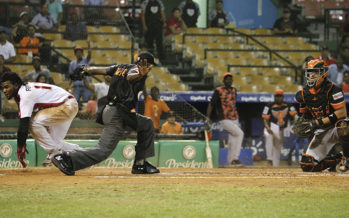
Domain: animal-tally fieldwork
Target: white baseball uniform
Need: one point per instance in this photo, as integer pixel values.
(52, 110)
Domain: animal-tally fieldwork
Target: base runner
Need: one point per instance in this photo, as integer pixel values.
(46, 110)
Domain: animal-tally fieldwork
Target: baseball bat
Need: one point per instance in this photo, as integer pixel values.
(208, 152)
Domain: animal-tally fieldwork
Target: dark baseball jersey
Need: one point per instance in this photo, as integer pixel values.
(122, 91)
(322, 102)
(279, 113)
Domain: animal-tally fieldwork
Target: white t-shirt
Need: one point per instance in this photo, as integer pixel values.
(36, 96)
(101, 90)
(7, 50)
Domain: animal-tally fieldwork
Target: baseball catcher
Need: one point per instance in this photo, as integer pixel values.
(323, 120)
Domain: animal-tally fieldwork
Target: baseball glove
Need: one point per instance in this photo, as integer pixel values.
(304, 127)
(78, 73)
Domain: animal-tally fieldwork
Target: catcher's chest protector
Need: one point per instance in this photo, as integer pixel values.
(318, 104)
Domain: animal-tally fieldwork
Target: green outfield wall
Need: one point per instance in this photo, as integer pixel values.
(168, 153)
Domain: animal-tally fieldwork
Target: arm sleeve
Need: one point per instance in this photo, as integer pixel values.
(35, 20)
(111, 70)
(23, 130)
(12, 51)
(25, 106)
(59, 7)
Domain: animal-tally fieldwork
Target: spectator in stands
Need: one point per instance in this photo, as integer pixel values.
(3, 68)
(154, 107)
(218, 18)
(55, 8)
(100, 89)
(75, 30)
(223, 103)
(154, 21)
(190, 12)
(175, 25)
(284, 25)
(7, 49)
(94, 15)
(345, 83)
(43, 78)
(80, 90)
(30, 42)
(171, 126)
(33, 76)
(19, 30)
(336, 70)
(276, 115)
(44, 20)
(325, 56)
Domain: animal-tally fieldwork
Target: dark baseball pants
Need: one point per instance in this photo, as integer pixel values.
(114, 119)
(155, 33)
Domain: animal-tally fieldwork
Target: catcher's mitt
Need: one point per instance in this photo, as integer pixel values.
(78, 73)
(304, 127)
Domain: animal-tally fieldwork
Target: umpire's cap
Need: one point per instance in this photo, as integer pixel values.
(146, 56)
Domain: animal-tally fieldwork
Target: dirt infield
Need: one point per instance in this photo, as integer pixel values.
(271, 177)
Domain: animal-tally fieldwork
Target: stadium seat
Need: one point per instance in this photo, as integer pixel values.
(96, 37)
(63, 43)
(10, 105)
(82, 43)
(52, 36)
(92, 29)
(23, 59)
(195, 30)
(262, 31)
(215, 30)
(109, 29)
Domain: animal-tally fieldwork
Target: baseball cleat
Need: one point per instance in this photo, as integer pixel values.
(146, 168)
(63, 162)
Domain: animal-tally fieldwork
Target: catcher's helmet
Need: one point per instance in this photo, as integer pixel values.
(315, 72)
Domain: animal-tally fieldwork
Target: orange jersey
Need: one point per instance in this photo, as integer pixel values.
(154, 109)
(167, 128)
(29, 42)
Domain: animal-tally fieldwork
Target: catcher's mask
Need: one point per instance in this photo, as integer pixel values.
(315, 72)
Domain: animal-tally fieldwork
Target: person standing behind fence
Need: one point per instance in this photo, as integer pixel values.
(80, 89)
(224, 103)
(154, 22)
(218, 18)
(276, 116)
(154, 107)
(190, 12)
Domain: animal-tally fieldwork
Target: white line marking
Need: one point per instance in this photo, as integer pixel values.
(195, 177)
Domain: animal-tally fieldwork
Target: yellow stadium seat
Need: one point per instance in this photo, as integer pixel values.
(61, 28)
(262, 31)
(214, 30)
(63, 43)
(92, 29)
(52, 36)
(247, 31)
(195, 30)
(58, 78)
(96, 37)
(249, 88)
(109, 29)
(104, 44)
(23, 59)
(69, 53)
(81, 43)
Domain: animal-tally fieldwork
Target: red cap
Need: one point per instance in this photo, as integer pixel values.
(279, 92)
(227, 74)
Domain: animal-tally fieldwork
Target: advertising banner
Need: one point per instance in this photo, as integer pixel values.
(8, 157)
(186, 154)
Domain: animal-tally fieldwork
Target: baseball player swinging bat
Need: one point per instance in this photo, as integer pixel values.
(208, 151)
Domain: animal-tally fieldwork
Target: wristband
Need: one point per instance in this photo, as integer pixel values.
(333, 118)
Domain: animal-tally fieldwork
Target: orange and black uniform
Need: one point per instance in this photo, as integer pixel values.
(224, 103)
(279, 113)
(321, 103)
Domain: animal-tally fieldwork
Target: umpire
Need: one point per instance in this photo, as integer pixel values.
(127, 81)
